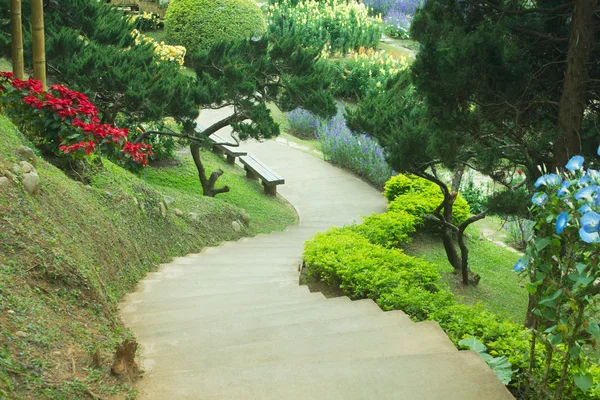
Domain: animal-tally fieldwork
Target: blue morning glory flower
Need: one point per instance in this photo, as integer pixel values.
(575, 163)
(587, 193)
(520, 266)
(584, 209)
(599, 150)
(593, 174)
(589, 227)
(564, 189)
(547, 180)
(539, 199)
(561, 222)
(585, 179)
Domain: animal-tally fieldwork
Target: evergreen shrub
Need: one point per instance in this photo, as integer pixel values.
(199, 24)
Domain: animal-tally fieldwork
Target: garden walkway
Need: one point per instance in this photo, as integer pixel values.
(233, 323)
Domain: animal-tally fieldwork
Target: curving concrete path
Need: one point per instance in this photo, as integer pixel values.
(233, 323)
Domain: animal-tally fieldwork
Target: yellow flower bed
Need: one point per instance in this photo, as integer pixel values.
(164, 51)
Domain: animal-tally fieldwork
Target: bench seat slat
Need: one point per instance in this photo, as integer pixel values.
(260, 169)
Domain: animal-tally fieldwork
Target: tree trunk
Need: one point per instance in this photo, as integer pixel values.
(208, 183)
(572, 100)
(17, 39)
(39, 46)
(468, 276)
(448, 234)
(530, 317)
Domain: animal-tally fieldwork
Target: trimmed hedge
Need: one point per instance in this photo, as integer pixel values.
(391, 229)
(418, 196)
(199, 24)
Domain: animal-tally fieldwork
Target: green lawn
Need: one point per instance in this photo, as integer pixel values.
(500, 290)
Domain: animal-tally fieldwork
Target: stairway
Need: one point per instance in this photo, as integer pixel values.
(232, 322)
(213, 326)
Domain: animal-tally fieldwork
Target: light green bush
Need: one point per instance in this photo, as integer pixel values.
(198, 24)
(418, 196)
(390, 229)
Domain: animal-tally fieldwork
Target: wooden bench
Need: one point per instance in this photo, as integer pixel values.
(230, 152)
(255, 169)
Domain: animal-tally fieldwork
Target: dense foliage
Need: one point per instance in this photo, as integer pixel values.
(397, 15)
(199, 24)
(562, 263)
(512, 75)
(91, 47)
(64, 121)
(338, 24)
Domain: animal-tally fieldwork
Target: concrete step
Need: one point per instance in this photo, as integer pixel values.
(447, 376)
(422, 338)
(237, 298)
(182, 273)
(223, 334)
(249, 316)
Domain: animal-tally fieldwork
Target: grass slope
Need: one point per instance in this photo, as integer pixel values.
(70, 253)
(501, 290)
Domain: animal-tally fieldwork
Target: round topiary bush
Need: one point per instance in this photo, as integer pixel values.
(198, 24)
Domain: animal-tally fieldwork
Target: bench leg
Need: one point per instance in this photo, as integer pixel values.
(230, 159)
(250, 174)
(271, 190)
(217, 150)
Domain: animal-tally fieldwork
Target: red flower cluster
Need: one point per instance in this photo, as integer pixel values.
(76, 111)
(88, 147)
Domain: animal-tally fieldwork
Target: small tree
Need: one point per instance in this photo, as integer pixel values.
(413, 144)
(245, 76)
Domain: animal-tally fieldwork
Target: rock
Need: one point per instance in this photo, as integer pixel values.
(193, 216)
(27, 154)
(21, 334)
(168, 200)
(4, 181)
(163, 209)
(26, 167)
(236, 226)
(156, 211)
(135, 201)
(16, 169)
(178, 212)
(10, 312)
(31, 182)
(89, 187)
(142, 206)
(108, 194)
(245, 218)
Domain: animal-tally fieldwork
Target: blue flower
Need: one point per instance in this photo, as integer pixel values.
(520, 266)
(561, 222)
(539, 199)
(599, 150)
(584, 209)
(564, 189)
(589, 227)
(587, 193)
(584, 180)
(593, 174)
(575, 163)
(547, 180)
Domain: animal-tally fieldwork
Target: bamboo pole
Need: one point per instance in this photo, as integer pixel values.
(17, 39)
(39, 46)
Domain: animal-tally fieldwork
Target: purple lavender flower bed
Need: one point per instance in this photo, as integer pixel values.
(357, 153)
(397, 14)
(303, 124)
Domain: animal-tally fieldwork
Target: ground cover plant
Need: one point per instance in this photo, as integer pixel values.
(338, 24)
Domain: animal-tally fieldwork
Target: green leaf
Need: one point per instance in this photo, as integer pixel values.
(593, 328)
(580, 267)
(584, 382)
(473, 344)
(555, 339)
(502, 368)
(542, 243)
